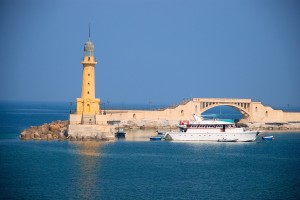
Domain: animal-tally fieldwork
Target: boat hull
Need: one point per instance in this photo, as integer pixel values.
(268, 138)
(155, 138)
(247, 136)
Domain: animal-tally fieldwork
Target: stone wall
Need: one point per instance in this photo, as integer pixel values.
(170, 117)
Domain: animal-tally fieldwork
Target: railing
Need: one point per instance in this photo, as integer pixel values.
(183, 102)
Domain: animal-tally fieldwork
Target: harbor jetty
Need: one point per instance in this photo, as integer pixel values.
(58, 130)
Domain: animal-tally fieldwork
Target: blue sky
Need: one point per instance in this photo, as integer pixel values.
(152, 50)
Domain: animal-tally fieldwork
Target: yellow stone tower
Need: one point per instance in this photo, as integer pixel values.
(88, 104)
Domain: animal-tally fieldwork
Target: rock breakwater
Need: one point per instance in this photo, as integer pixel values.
(56, 130)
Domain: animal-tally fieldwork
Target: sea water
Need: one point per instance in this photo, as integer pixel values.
(136, 168)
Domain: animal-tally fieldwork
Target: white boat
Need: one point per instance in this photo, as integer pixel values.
(211, 130)
(271, 137)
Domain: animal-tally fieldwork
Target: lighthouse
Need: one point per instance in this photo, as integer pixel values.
(88, 106)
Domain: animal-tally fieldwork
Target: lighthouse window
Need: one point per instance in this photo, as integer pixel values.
(88, 92)
(88, 74)
(88, 83)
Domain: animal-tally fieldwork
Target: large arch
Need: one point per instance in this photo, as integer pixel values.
(246, 114)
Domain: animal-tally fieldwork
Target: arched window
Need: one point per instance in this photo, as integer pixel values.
(256, 109)
(266, 114)
(196, 109)
(182, 112)
(134, 116)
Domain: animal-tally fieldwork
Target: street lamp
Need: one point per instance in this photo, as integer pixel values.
(70, 107)
(107, 104)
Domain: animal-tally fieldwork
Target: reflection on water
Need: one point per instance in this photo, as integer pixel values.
(88, 148)
(88, 168)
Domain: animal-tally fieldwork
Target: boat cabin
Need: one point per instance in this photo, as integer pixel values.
(183, 127)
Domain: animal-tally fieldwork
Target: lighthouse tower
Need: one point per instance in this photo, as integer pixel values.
(88, 106)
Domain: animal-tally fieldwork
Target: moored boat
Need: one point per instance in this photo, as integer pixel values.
(155, 138)
(211, 130)
(271, 137)
(120, 133)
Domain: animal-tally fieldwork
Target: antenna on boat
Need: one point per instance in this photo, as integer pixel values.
(197, 119)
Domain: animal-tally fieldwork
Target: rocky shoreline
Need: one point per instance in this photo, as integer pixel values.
(58, 130)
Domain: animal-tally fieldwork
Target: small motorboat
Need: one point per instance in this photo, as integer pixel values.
(155, 138)
(120, 133)
(161, 134)
(271, 137)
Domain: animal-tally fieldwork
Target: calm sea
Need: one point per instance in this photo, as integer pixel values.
(137, 168)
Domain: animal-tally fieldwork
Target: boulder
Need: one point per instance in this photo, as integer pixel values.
(54, 127)
(44, 137)
(45, 128)
(36, 135)
(23, 134)
(61, 135)
(27, 135)
(49, 136)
